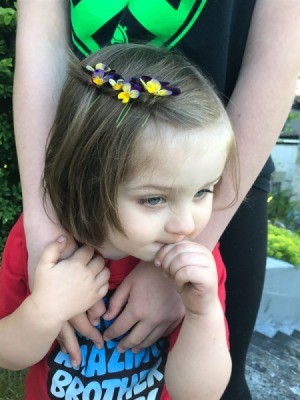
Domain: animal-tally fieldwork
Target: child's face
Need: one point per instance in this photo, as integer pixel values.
(167, 200)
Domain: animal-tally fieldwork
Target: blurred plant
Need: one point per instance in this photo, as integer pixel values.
(10, 193)
(284, 245)
(288, 129)
(283, 210)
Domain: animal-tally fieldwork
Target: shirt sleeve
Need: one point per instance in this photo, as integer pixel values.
(14, 286)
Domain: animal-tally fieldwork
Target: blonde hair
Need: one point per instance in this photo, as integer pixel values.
(89, 154)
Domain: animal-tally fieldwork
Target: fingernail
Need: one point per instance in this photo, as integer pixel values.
(99, 345)
(105, 315)
(96, 322)
(121, 350)
(61, 239)
(74, 363)
(135, 351)
(157, 263)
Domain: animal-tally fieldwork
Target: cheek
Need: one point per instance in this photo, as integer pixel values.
(203, 216)
(137, 226)
(144, 228)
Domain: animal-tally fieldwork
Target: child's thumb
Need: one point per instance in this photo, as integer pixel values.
(52, 253)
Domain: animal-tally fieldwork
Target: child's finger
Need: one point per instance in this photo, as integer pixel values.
(161, 254)
(69, 344)
(176, 252)
(176, 248)
(184, 259)
(96, 265)
(53, 251)
(95, 312)
(101, 275)
(103, 284)
(84, 254)
(184, 275)
(85, 328)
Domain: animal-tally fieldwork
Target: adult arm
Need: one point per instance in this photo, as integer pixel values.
(40, 71)
(260, 101)
(41, 62)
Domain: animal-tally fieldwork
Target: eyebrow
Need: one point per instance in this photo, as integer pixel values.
(162, 187)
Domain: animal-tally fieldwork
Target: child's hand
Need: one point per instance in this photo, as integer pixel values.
(192, 268)
(69, 287)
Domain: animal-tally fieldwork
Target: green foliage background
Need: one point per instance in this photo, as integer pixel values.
(284, 210)
(10, 193)
(11, 383)
(284, 245)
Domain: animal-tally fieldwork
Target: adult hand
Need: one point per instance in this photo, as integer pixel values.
(153, 308)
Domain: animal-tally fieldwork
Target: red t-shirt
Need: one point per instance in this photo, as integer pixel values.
(104, 374)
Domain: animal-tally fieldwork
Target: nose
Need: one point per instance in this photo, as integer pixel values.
(182, 223)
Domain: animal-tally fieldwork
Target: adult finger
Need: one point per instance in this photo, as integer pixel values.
(125, 321)
(117, 302)
(139, 337)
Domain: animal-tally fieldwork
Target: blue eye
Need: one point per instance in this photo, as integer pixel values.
(202, 193)
(151, 201)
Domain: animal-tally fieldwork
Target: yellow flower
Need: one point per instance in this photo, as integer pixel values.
(99, 76)
(103, 67)
(97, 80)
(127, 93)
(116, 85)
(153, 86)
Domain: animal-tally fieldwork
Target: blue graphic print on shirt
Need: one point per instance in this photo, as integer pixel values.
(106, 374)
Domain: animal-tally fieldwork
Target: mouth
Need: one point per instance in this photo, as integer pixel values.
(171, 242)
(164, 244)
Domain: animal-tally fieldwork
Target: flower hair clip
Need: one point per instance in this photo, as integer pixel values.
(102, 75)
(157, 88)
(129, 91)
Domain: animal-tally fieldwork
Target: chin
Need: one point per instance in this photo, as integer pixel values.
(148, 258)
(112, 254)
(147, 255)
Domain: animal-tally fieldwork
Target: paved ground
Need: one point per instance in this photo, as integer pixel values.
(273, 368)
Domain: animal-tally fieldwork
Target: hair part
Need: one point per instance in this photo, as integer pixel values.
(89, 154)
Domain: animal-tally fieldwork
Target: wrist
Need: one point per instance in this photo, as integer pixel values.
(212, 308)
(42, 317)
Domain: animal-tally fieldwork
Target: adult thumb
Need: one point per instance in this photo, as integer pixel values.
(52, 253)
